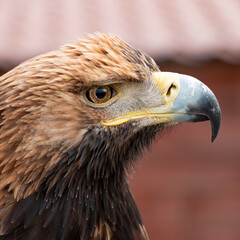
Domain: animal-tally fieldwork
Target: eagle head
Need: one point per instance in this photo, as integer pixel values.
(73, 121)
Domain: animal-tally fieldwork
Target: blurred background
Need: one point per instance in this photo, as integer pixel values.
(186, 188)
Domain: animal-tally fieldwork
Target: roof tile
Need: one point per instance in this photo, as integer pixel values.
(173, 29)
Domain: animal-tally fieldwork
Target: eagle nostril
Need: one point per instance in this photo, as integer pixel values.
(170, 89)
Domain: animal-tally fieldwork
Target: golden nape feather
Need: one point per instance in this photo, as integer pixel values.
(73, 122)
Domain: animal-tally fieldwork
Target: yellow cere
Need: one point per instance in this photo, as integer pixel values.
(169, 84)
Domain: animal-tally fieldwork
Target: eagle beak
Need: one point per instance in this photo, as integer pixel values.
(185, 99)
(189, 99)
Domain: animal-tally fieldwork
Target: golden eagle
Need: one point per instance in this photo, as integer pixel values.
(72, 123)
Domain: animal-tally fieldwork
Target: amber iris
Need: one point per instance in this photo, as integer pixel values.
(100, 94)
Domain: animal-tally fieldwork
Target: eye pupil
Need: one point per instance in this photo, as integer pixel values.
(101, 92)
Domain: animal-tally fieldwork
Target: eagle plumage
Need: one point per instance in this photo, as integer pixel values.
(72, 122)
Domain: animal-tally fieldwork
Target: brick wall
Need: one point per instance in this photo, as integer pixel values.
(188, 188)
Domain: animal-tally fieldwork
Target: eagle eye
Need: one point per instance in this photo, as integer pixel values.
(100, 94)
